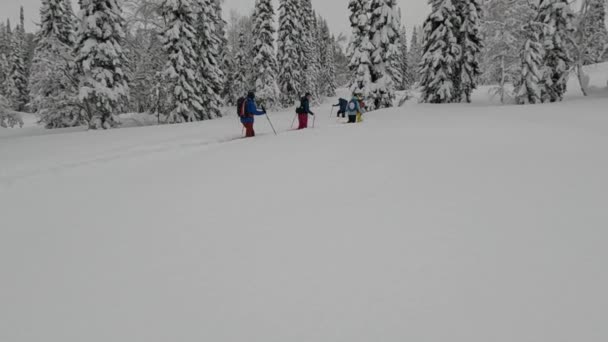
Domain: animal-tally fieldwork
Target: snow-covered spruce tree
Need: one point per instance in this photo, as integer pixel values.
(529, 87)
(441, 53)
(317, 56)
(240, 80)
(403, 63)
(4, 66)
(180, 43)
(415, 54)
(209, 71)
(470, 41)
(17, 87)
(393, 65)
(360, 49)
(384, 30)
(229, 69)
(557, 17)
(308, 48)
(328, 65)
(288, 57)
(100, 59)
(220, 35)
(53, 84)
(264, 61)
(593, 30)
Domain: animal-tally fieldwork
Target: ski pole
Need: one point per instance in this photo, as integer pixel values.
(332, 112)
(314, 117)
(270, 122)
(293, 121)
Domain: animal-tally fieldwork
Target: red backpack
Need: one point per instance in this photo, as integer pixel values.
(241, 107)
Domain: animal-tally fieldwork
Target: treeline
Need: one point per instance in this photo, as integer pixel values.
(177, 59)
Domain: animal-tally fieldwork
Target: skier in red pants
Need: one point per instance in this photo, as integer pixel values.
(251, 111)
(304, 110)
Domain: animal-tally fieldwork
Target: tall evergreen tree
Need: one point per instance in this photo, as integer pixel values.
(529, 87)
(360, 48)
(557, 17)
(100, 59)
(403, 63)
(441, 53)
(220, 34)
(240, 85)
(415, 53)
(180, 43)
(289, 52)
(210, 73)
(229, 69)
(307, 49)
(384, 30)
(593, 28)
(470, 41)
(264, 61)
(4, 66)
(53, 86)
(328, 64)
(17, 88)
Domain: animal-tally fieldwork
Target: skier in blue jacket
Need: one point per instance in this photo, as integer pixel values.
(251, 110)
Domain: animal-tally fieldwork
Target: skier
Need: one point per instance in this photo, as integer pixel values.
(355, 107)
(249, 112)
(361, 108)
(304, 110)
(343, 104)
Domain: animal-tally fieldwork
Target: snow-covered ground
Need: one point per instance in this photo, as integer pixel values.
(456, 223)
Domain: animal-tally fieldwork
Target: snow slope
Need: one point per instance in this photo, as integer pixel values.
(461, 223)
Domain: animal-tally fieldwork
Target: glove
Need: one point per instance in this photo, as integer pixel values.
(312, 113)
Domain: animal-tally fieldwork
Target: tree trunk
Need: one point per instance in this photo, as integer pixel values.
(580, 74)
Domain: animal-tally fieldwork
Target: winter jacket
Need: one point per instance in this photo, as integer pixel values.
(305, 107)
(251, 110)
(343, 104)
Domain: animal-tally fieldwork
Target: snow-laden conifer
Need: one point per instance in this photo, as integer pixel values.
(264, 61)
(556, 17)
(181, 71)
(441, 53)
(360, 48)
(289, 52)
(100, 58)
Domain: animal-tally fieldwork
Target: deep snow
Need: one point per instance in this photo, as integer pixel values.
(459, 223)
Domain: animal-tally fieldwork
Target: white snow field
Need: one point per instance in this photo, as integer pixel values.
(427, 223)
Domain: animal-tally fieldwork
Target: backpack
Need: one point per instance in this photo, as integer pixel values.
(352, 106)
(241, 107)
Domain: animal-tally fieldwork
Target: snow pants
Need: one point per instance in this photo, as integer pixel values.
(352, 119)
(249, 132)
(303, 121)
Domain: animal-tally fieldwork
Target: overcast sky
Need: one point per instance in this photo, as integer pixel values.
(335, 11)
